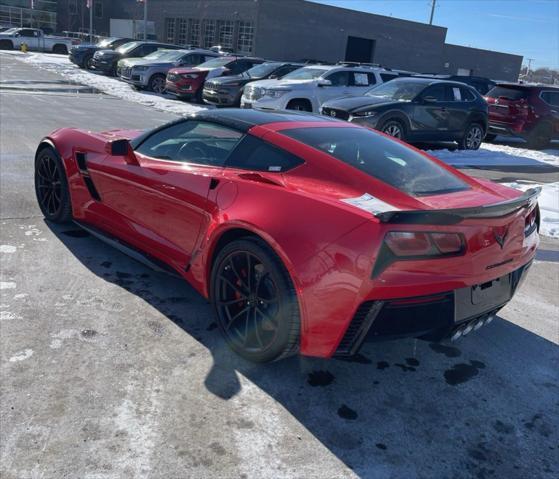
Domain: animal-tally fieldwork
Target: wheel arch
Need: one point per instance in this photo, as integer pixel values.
(304, 100)
(61, 46)
(395, 115)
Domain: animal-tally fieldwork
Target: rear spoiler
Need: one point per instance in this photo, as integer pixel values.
(456, 215)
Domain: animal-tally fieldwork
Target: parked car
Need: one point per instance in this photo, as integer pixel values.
(106, 60)
(307, 235)
(188, 83)
(35, 39)
(307, 88)
(526, 111)
(418, 109)
(82, 55)
(481, 84)
(150, 72)
(227, 90)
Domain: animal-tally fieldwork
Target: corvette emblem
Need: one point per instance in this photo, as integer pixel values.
(500, 238)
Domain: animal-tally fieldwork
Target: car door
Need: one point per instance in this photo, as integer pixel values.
(430, 112)
(339, 86)
(162, 201)
(458, 109)
(30, 38)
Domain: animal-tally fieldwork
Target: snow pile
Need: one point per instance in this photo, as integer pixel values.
(499, 155)
(61, 64)
(549, 206)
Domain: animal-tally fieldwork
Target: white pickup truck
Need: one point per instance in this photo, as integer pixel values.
(36, 40)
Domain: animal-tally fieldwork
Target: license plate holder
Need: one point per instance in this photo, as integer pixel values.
(482, 298)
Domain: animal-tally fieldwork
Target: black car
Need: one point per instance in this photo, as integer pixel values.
(481, 84)
(106, 60)
(418, 110)
(227, 90)
(82, 55)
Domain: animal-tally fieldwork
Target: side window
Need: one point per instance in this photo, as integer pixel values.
(192, 59)
(257, 155)
(388, 76)
(550, 97)
(453, 93)
(372, 78)
(360, 79)
(284, 70)
(467, 94)
(26, 33)
(340, 78)
(196, 142)
(147, 49)
(438, 92)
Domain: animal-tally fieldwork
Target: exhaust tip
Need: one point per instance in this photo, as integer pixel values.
(468, 329)
(489, 319)
(456, 335)
(478, 324)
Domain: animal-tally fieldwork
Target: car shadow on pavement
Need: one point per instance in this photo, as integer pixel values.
(482, 407)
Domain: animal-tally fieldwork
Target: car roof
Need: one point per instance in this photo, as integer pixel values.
(527, 86)
(429, 81)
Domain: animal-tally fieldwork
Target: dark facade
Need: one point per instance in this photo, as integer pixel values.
(297, 30)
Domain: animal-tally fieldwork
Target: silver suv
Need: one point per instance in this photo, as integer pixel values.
(150, 72)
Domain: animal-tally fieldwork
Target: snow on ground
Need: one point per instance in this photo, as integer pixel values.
(63, 66)
(549, 205)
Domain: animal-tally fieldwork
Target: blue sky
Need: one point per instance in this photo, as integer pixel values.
(524, 27)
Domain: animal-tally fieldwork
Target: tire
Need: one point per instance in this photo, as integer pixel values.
(60, 49)
(473, 136)
(540, 136)
(299, 105)
(156, 84)
(394, 128)
(51, 186)
(6, 45)
(88, 62)
(254, 324)
(490, 137)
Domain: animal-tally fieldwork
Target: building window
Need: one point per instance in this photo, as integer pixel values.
(182, 27)
(98, 8)
(225, 33)
(194, 32)
(209, 33)
(170, 30)
(72, 7)
(245, 38)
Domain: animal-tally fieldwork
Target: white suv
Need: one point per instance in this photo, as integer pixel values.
(309, 87)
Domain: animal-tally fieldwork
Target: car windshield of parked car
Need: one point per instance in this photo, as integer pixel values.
(262, 70)
(127, 47)
(397, 90)
(215, 62)
(9, 31)
(157, 54)
(105, 43)
(305, 74)
(383, 158)
(510, 93)
(165, 55)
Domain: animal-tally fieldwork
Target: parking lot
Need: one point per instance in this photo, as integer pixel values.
(111, 370)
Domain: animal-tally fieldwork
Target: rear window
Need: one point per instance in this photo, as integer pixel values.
(510, 93)
(381, 158)
(550, 97)
(254, 154)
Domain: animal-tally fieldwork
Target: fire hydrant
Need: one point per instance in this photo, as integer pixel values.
(24, 47)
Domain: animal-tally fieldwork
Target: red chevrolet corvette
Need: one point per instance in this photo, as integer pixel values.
(307, 234)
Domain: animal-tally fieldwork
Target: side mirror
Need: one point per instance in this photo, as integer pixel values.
(429, 99)
(323, 83)
(122, 147)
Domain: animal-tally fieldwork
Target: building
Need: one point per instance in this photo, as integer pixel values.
(25, 13)
(298, 30)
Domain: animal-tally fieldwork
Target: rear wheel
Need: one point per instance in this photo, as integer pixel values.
(255, 301)
(51, 186)
(6, 45)
(394, 128)
(299, 105)
(88, 62)
(60, 49)
(473, 136)
(157, 84)
(540, 136)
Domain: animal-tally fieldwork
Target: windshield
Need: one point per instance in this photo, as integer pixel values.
(105, 43)
(10, 31)
(382, 158)
(397, 90)
(508, 92)
(127, 47)
(165, 55)
(305, 74)
(216, 62)
(262, 70)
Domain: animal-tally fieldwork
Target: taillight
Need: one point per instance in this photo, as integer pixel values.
(422, 244)
(530, 222)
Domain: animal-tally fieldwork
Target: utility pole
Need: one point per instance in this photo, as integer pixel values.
(530, 60)
(89, 4)
(145, 20)
(433, 4)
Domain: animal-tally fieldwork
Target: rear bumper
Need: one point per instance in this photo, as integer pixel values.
(103, 66)
(432, 317)
(229, 98)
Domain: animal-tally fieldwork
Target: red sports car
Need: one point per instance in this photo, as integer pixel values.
(307, 234)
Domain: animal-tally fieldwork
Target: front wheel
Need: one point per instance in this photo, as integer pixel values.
(473, 136)
(60, 49)
(157, 84)
(255, 301)
(51, 186)
(394, 128)
(88, 63)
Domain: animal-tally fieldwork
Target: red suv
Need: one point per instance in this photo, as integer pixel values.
(188, 83)
(528, 111)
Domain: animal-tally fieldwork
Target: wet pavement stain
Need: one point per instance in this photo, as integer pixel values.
(405, 368)
(121, 275)
(412, 362)
(106, 264)
(503, 428)
(448, 351)
(462, 372)
(76, 233)
(356, 358)
(211, 326)
(320, 378)
(382, 446)
(346, 412)
(382, 365)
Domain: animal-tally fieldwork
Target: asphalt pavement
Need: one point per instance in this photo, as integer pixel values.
(110, 370)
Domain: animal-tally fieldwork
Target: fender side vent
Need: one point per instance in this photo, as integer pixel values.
(91, 188)
(81, 160)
